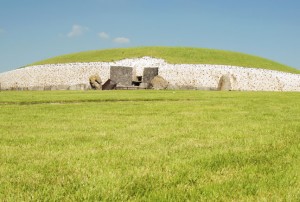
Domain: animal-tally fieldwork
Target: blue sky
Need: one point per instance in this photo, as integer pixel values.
(33, 30)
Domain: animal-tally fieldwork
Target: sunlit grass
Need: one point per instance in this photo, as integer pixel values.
(173, 55)
(149, 145)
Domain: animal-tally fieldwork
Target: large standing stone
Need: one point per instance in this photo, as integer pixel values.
(224, 83)
(159, 83)
(96, 82)
(121, 75)
(149, 73)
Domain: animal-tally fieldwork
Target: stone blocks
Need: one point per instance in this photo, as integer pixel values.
(149, 73)
(121, 75)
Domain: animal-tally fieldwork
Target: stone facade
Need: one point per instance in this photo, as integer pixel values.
(179, 76)
(149, 73)
(121, 75)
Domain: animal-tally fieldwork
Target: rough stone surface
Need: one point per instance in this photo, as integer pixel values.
(149, 73)
(95, 82)
(78, 87)
(144, 85)
(224, 83)
(109, 85)
(36, 88)
(60, 87)
(47, 88)
(179, 76)
(121, 75)
(159, 83)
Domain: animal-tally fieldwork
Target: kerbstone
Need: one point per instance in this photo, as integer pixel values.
(36, 88)
(78, 87)
(224, 83)
(159, 83)
(95, 82)
(60, 87)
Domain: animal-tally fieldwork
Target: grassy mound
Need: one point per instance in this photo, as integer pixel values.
(173, 55)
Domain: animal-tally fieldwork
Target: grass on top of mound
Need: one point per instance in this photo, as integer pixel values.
(173, 55)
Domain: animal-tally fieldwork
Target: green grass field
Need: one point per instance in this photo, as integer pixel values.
(173, 55)
(149, 146)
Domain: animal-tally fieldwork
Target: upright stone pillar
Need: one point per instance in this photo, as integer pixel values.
(121, 75)
(224, 83)
(149, 74)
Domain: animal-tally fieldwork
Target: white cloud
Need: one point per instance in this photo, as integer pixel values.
(103, 35)
(121, 40)
(77, 30)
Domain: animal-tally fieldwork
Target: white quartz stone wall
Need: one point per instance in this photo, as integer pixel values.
(54, 74)
(184, 76)
(246, 79)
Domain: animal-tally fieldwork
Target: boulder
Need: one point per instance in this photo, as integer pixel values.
(224, 83)
(95, 82)
(109, 85)
(159, 83)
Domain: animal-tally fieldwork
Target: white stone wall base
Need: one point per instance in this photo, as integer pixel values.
(179, 76)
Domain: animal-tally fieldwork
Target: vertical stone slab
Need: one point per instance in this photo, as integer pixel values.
(121, 75)
(224, 83)
(134, 76)
(149, 74)
(109, 85)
